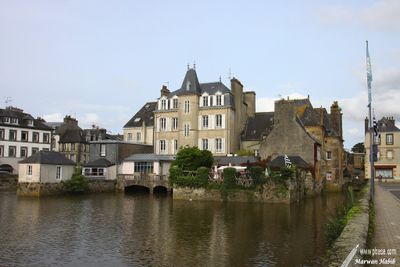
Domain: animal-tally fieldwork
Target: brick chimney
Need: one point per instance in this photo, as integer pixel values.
(336, 116)
(164, 90)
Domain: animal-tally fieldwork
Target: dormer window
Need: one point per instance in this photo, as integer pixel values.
(164, 104)
(188, 85)
(30, 122)
(205, 101)
(14, 120)
(219, 100)
(137, 120)
(175, 103)
(7, 119)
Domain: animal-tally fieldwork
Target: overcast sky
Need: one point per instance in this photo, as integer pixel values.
(100, 61)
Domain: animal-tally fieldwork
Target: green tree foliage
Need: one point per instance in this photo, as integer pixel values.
(245, 152)
(192, 158)
(229, 175)
(282, 175)
(77, 183)
(358, 148)
(191, 167)
(257, 175)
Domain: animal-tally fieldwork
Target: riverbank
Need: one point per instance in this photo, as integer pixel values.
(8, 182)
(50, 189)
(354, 235)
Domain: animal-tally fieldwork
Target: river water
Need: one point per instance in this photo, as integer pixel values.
(144, 230)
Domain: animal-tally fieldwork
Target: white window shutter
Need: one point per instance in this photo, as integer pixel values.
(158, 124)
(211, 144)
(222, 100)
(158, 147)
(200, 123)
(166, 147)
(211, 123)
(200, 144)
(223, 121)
(172, 146)
(169, 123)
(223, 145)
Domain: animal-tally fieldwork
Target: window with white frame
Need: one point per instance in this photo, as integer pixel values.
(175, 103)
(46, 138)
(218, 144)
(24, 136)
(14, 120)
(328, 155)
(256, 152)
(163, 124)
(35, 137)
(58, 172)
(187, 106)
(205, 101)
(163, 146)
(328, 176)
(12, 135)
(175, 123)
(163, 104)
(23, 152)
(1, 151)
(204, 144)
(218, 121)
(29, 170)
(138, 136)
(219, 100)
(129, 136)
(30, 122)
(389, 154)
(389, 139)
(186, 129)
(102, 150)
(188, 84)
(1, 134)
(143, 167)
(7, 119)
(205, 121)
(12, 151)
(176, 146)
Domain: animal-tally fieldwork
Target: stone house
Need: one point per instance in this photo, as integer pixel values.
(388, 145)
(21, 136)
(207, 115)
(256, 129)
(72, 142)
(299, 129)
(140, 128)
(45, 167)
(106, 157)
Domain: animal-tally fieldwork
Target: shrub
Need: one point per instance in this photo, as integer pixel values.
(77, 183)
(257, 175)
(202, 176)
(174, 173)
(191, 158)
(229, 175)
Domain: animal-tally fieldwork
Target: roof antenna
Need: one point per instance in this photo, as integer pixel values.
(8, 100)
(194, 64)
(188, 67)
(220, 78)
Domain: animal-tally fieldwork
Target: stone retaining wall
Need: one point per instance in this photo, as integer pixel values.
(268, 193)
(355, 233)
(48, 189)
(8, 182)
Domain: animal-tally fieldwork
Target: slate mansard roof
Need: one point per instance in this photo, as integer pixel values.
(387, 125)
(48, 157)
(258, 126)
(191, 85)
(23, 118)
(144, 114)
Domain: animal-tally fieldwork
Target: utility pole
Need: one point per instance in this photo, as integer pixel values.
(371, 130)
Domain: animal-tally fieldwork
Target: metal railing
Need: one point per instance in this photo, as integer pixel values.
(145, 177)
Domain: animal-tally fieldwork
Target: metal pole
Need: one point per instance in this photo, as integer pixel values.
(371, 130)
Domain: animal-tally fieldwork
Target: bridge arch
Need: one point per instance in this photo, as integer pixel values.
(160, 189)
(137, 188)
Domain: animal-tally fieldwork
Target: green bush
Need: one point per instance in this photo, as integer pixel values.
(174, 173)
(202, 176)
(229, 175)
(335, 226)
(191, 158)
(77, 183)
(282, 175)
(257, 175)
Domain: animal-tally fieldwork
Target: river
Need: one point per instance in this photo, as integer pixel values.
(143, 230)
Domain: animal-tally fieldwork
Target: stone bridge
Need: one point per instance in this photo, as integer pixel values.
(150, 181)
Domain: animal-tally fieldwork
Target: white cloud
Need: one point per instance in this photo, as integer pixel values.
(267, 103)
(355, 133)
(380, 15)
(54, 117)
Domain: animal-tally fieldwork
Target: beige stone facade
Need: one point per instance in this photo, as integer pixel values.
(388, 157)
(209, 116)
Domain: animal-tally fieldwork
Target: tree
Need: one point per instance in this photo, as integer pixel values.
(358, 148)
(192, 158)
(77, 183)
